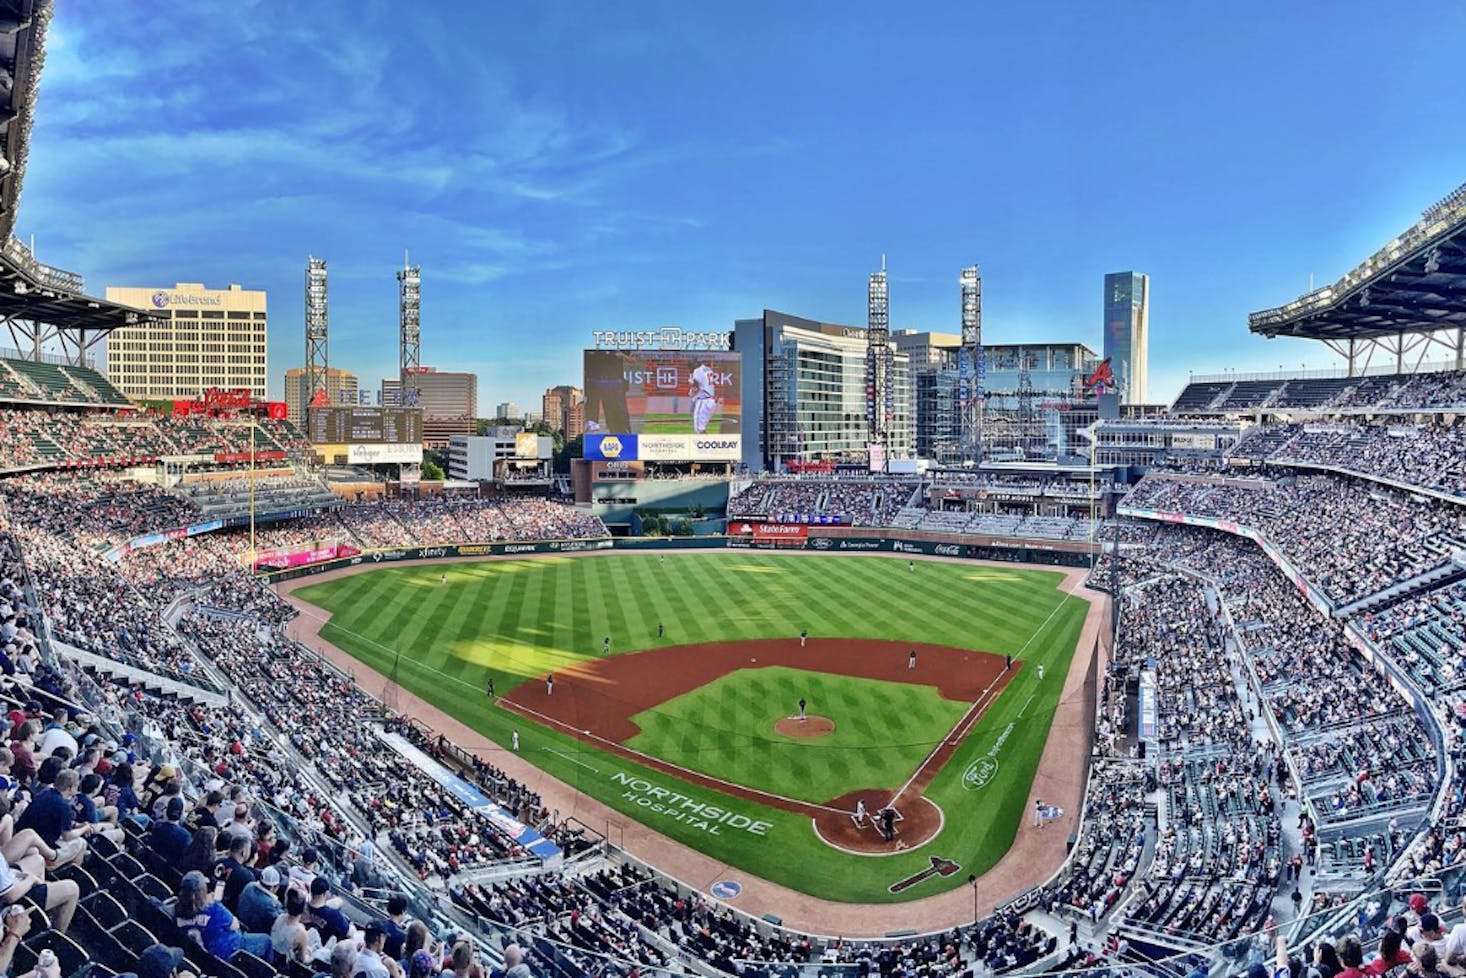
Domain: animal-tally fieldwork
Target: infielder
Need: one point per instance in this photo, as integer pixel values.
(911, 660)
(549, 685)
(803, 637)
(704, 398)
(606, 647)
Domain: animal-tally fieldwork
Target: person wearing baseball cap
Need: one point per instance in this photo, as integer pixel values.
(159, 961)
(259, 902)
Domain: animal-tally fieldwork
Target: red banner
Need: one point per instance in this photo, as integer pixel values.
(278, 410)
(233, 399)
(770, 531)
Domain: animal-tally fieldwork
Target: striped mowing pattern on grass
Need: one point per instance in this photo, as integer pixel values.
(726, 729)
(515, 620)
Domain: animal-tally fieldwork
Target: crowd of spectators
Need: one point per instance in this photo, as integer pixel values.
(858, 502)
(1355, 538)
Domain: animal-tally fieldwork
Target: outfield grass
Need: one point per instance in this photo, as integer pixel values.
(515, 620)
(882, 731)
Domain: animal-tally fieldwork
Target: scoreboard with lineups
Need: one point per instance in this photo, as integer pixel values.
(364, 426)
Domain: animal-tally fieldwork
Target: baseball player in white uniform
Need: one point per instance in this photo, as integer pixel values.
(704, 398)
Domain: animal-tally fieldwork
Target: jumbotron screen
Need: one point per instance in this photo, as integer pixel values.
(663, 405)
(364, 426)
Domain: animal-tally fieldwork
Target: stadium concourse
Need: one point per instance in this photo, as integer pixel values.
(1288, 783)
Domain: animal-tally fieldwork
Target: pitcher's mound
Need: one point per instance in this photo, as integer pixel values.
(810, 726)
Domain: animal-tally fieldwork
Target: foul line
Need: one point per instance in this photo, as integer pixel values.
(572, 760)
(657, 763)
(964, 723)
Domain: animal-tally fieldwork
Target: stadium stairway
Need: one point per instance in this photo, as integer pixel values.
(1436, 577)
(134, 674)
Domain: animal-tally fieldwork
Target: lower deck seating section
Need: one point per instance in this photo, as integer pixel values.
(1354, 538)
(1321, 695)
(1217, 859)
(859, 502)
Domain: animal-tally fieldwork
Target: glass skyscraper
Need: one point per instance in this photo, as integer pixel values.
(1127, 333)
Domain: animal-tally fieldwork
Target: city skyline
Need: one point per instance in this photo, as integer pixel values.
(546, 197)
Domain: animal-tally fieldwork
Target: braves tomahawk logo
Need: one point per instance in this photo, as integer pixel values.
(938, 867)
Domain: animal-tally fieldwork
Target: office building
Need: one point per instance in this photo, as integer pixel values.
(924, 349)
(804, 393)
(495, 456)
(211, 338)
(1127, 334)
(508, 409)
(341, 389)
(448, 401)
(563, 409)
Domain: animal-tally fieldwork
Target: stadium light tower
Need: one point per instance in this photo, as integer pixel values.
(879, 397)
(409, 313)
(317, 360)
(970, 365)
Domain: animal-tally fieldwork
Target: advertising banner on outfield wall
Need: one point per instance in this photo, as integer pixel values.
(795, 532)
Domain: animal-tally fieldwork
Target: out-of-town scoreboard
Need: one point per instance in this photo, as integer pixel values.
(364, 426)
(366, 435)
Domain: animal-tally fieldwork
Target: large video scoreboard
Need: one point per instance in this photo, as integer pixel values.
(364, 426)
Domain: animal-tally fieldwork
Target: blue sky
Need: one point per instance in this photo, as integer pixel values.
(558, 168)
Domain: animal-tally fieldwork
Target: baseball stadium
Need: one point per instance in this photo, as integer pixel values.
(819, 651)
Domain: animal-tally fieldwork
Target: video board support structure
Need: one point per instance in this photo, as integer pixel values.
(970, 365)
(878, 359)
(409, 314)
(317, 357)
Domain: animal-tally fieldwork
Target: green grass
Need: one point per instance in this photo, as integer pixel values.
(515, 620)
(882, 731)
(681, 424)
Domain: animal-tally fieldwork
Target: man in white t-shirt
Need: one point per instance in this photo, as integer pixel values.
(704, 397)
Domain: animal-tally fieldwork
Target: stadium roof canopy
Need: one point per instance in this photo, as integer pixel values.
(38, 303)
(1415, 284)
(22, 45)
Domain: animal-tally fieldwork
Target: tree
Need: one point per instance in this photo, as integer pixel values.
(575, 448)
(431, 471)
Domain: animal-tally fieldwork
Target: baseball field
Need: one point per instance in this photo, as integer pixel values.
(689, 719)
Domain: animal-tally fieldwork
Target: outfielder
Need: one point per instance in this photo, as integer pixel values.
(704, 397)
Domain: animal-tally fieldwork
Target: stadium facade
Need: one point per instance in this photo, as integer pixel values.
(199, 338)
(804, 393)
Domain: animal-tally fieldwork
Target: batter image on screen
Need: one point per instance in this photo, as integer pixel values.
(605, 390)
(704, 397)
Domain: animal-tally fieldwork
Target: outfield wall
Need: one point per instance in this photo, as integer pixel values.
(1061, 553)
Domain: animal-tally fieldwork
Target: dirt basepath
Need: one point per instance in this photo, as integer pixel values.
(1034, 856)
